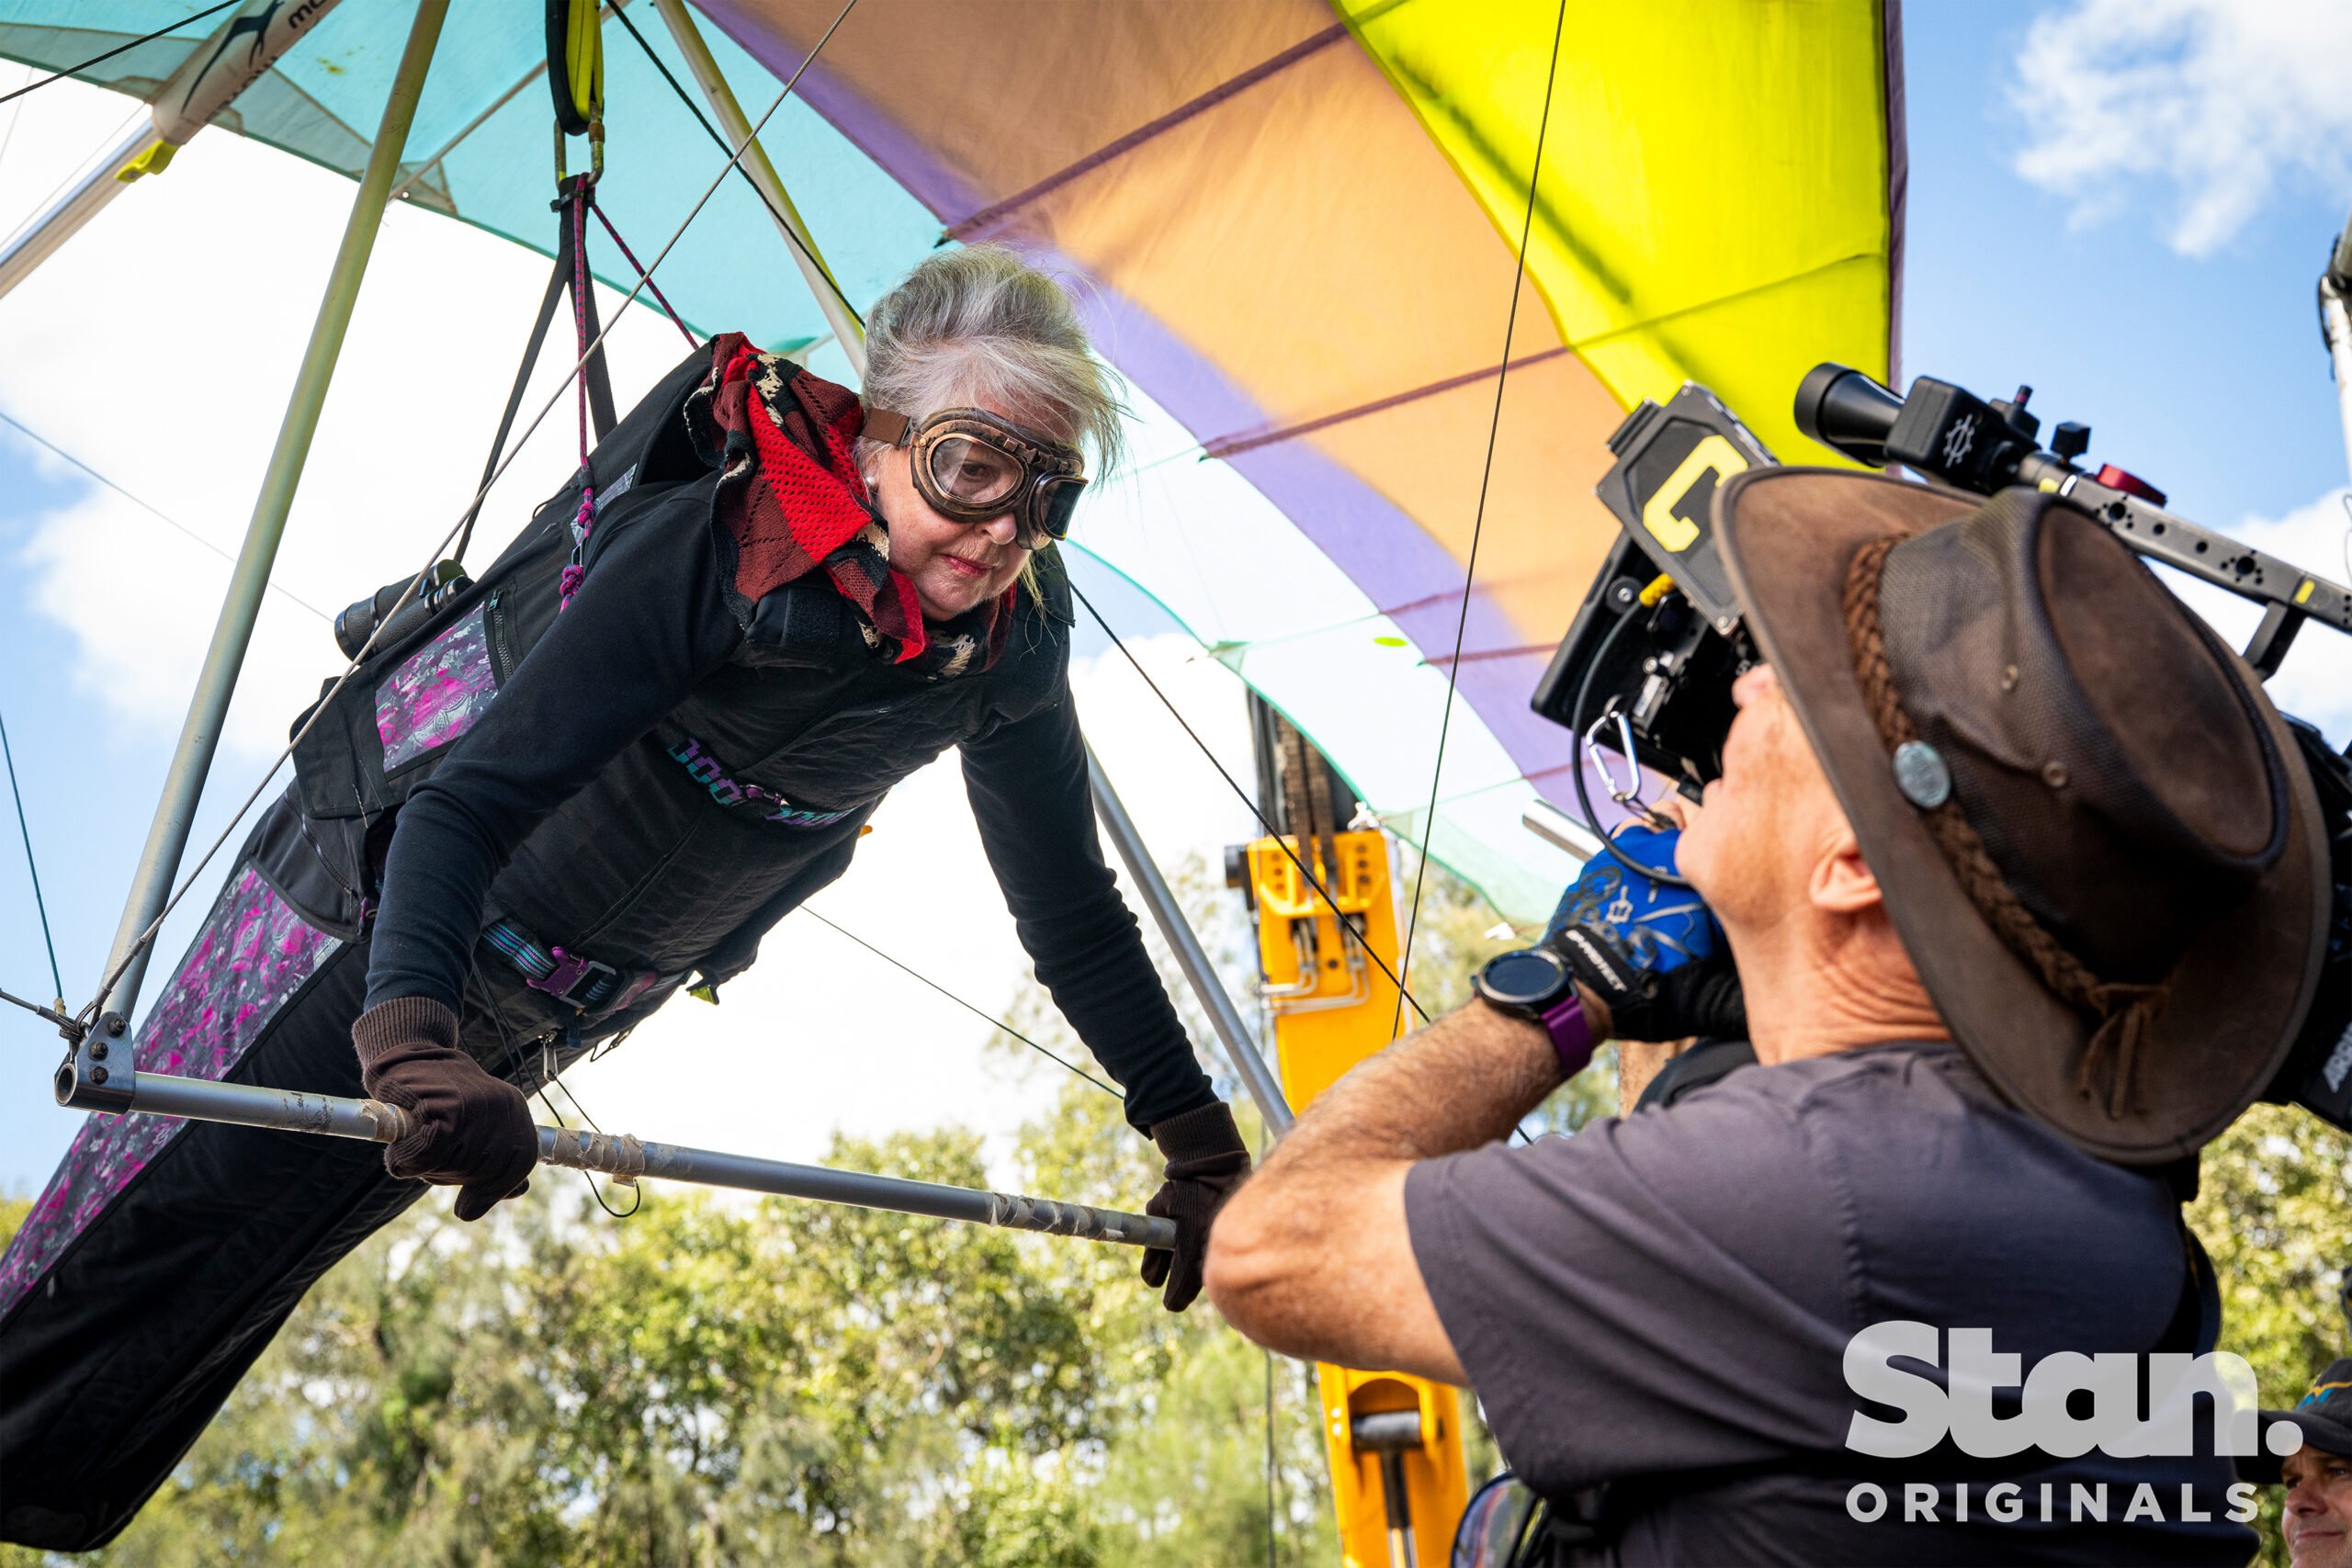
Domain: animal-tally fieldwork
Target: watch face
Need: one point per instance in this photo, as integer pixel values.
(1522, 979)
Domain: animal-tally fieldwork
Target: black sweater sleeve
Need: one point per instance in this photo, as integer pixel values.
(1029, 791)
(648, 624)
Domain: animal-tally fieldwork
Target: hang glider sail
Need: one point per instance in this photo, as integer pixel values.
(1297, 223)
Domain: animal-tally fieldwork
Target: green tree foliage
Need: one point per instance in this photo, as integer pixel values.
(2272, 1210)
(719, 1380)
(715, 1380)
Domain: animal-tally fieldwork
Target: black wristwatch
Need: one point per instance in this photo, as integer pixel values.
(1533, 983)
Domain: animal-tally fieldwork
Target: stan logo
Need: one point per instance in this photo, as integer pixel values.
(1960, 1408)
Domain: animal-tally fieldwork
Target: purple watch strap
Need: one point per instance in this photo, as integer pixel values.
(1571, 1034)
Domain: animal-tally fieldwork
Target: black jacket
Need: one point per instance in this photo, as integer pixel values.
(657, 785)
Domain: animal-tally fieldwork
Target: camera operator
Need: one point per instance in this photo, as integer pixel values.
(2024, 891)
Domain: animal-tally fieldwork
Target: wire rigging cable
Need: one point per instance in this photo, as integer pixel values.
(158, 512)
(1270, 1459)
(1346, 924)
(555, 1080)
(26, 829)
(996, 1023)
(33, 213)
(52, 1014)
(8, 137)
(119, 49)
(1478, 518)
(90, 1009)
(784, 225)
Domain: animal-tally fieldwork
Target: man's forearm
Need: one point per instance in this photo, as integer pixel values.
(1464, 1081)
(1312, 1256)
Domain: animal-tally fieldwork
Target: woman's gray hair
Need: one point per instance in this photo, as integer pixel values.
(978, 326)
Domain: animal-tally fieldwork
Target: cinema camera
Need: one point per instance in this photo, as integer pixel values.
(1646, 669)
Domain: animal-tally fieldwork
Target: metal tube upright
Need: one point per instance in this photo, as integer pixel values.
(217, 679)
(1191, 957)
(737, 127)
(206, 82)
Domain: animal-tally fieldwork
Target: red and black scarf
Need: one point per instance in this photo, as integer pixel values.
(792, 499)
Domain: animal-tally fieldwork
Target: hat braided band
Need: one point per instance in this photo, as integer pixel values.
(2121, 1011)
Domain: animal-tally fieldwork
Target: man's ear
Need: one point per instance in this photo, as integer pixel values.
(1843, 883)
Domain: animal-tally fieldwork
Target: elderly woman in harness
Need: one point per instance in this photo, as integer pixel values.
(756, 651)
(593, 776)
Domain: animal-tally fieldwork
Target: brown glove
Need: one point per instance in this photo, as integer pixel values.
(473, 1132)
(1206, 1160)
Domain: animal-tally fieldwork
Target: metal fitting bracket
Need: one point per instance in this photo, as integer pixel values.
(97, 1075)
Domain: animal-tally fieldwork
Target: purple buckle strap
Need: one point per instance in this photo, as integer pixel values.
(586, 984)
(570, 970)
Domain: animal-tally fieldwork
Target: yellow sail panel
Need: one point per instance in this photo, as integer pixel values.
(1716, 200)
(1297, 229)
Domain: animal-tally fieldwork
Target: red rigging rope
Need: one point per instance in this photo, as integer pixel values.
(584, 521)
(654, 288)
(89, 1010)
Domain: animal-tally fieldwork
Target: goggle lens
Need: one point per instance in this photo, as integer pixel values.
(973, 473)
(1056, 505)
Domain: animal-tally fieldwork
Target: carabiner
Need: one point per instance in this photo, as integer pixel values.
(596, 154)
(1629, 794)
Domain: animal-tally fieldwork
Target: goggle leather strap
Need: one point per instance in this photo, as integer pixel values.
(887, 426)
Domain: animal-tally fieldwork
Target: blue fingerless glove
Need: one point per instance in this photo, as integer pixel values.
(1654, 954)
(1657, 927)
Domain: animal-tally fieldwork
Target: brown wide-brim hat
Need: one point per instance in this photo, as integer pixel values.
(2240, 987)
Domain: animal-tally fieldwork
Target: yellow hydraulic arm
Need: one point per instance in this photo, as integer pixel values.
(1399, 1479)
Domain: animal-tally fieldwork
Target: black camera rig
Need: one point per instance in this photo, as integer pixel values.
(1646, 669)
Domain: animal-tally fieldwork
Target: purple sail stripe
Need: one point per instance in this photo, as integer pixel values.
(1380, 549)
(437, 693)
(949, 197)
(252, 955)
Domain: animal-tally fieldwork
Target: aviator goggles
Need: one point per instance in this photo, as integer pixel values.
(973, 466)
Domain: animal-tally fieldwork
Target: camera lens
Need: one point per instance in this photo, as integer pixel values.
(1847, 412)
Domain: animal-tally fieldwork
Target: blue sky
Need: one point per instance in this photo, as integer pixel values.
(2204, 374)
(2188, 343)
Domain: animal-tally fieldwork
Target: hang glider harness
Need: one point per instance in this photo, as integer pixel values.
(86, 1079)
(575, 78)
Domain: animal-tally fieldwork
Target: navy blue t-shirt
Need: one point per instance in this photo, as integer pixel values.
(1662, 1305)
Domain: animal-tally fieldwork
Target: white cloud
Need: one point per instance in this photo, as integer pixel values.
(2315, 681)
(159, 346)
(2218, 99)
